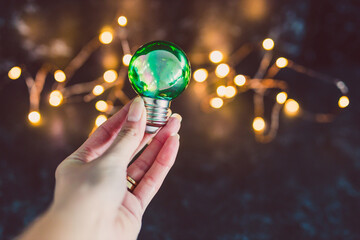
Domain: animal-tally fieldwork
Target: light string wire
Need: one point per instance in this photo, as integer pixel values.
(218, 71)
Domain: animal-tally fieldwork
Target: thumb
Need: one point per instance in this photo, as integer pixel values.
(129, 137)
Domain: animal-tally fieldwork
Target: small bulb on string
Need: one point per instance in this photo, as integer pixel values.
(281, 62)
(110, 76)
(126, 59)
(100, 120)
(343, 102)
(98, 90)
(200, 75)
(101, 106)
(221, 91)
(59, 76)
(230, 91)
(259, 124)
(216, 102)
(291, 107)
(55, 98)
(222, 70)
(216, 56)
(14, 73)
(34, 117)
(106, 37)
(281, 97)
(268, 44)
(122, 21)
(240, 80)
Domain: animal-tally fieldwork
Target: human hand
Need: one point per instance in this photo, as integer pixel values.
(91, 200)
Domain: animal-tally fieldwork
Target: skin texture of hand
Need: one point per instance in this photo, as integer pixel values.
(91, 199)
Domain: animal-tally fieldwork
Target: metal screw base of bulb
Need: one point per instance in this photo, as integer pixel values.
(157, 112)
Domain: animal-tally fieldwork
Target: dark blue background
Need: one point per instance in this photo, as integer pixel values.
(224, 185)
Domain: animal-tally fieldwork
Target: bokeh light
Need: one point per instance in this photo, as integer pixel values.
(268, 44)
(14, 73)
(101, 106)
(230, 91)
(216, 56)
(259, 124)
(200, 75)
(59, 76)
(221, 91)
(240, 80)
(110, 76)
(291, 107)
(55, 98)
(126, 59)
(122, 21)
(106, 37)
(34, 117)
(216, 102)
(281, 97)
(343, 102)
(281, 62)
(98, 90)
(100, 120)
(222, 70)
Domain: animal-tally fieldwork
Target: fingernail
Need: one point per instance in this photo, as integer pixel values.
(136, 110)
(175, 134)
(175, 115)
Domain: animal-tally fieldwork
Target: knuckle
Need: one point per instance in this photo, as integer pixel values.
(128, 131)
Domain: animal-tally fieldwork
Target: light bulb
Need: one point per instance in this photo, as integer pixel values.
(59, 76)
(343, 102)
(268, 44)
(159, 71)
(14, 73)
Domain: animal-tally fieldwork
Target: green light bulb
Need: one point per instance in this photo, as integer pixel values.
(159, 72)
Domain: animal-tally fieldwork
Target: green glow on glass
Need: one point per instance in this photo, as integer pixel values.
(159, 70)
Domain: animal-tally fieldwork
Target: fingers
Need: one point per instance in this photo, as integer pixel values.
(153, 179)
(141, 165)
(129, 137)
(148, 136)
(103, 137)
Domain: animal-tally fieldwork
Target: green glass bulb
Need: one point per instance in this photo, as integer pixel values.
(159, 71)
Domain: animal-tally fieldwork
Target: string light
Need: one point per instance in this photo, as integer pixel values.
(106, 37)
(281, 97)
(291, 107)
(222, 70)
(240, 80)
(268, 44)
(98, 90)
(101, 106)
(343, 102)
(34, 117)
(281, 62)
(230, 92)
(122, 21)
(59, 76)
(126, 59)
(100, 120)
(216, 102)
(221, 91)
(200, 75)
(216, 56)
(110, 76)
(55, 98)
(14, 73)
(258, 124)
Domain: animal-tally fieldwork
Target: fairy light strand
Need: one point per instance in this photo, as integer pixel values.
(222, 67)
